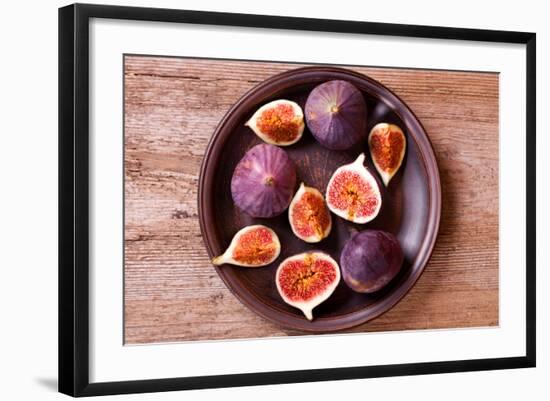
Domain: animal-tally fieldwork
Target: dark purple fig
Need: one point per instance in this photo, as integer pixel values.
(336, 115)
(263, 181)
(370, 260)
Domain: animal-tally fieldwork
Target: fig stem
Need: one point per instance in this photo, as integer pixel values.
(308, 314)
(218, 260)
(360, 159)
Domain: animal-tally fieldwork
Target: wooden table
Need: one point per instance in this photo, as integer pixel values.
(172, 292)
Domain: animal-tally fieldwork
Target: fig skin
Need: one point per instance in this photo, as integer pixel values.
(336, 114)
(353, 193)
(287, 130)
(370, 260)
(387, 145)
(308, 284)
(261, 237)
(263, 181)
(315, 219)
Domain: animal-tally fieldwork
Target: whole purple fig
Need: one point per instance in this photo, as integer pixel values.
(263, 181)
(336, 114)
(370, 260)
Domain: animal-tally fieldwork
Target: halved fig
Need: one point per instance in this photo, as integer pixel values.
(252, 246)
(280, 122)
(263, 181)
(308, 215)
(306, 280)
(387, 145)
(353, 192)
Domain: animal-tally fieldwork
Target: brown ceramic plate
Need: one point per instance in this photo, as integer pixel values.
(411, 204)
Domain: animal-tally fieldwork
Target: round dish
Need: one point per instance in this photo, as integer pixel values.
(411, 205)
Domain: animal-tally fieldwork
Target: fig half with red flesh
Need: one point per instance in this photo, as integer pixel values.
(353, 192)
(309, 216)
(280, 122)
(252, 246)
(306, 280)
(387, 145)
(263, 181)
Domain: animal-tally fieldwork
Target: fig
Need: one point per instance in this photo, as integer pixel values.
(306, 280)
(387, 145)
(280, 122)
(252, 246)
(370, 260)
(308, 215)
(336, 114)
(353, 192)
(263, 181)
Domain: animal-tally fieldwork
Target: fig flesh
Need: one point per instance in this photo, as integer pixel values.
(353, 192)
(309, 216)
(370, 260)
(252, 246)
(280, 122)
(263, 181)
(387, 145)
(336, 114)
(306, 280)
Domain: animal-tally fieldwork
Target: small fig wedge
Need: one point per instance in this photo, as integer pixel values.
(353, 192)
(252, 246)
(306, 280)
(309, 216)
(387, 146)
(280, 122)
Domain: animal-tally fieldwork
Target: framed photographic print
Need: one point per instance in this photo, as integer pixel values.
(297, 199)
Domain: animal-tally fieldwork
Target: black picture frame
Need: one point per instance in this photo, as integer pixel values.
(74, 198)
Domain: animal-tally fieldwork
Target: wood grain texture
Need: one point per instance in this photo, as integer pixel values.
(172, 106)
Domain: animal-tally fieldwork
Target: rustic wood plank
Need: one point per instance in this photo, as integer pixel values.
(172, 106)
